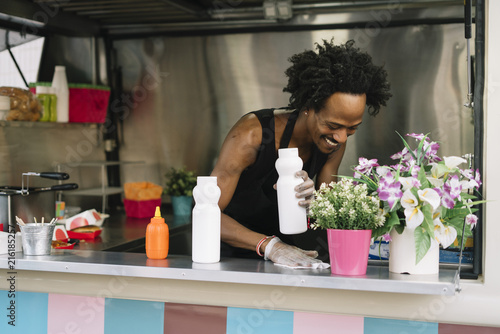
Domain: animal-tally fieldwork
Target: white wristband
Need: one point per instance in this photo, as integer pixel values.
(269, 247)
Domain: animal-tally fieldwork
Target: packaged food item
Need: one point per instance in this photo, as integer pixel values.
(24, 106)
(142, 191)
(88, 217)
(141, 199)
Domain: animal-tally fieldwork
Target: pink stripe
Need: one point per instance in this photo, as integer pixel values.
(304, 323)
(75, 314)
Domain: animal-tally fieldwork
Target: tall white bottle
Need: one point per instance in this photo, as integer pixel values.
(206, 220)
(60, 83)
(292, 216)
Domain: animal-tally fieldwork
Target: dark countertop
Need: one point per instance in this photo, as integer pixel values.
(126, 234)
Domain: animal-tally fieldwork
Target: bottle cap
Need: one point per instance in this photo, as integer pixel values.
(201, 180)
(288, 152)
(157, 216)
(42, 90)
(157, 212)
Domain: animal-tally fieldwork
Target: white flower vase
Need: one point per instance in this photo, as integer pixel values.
(402, 255)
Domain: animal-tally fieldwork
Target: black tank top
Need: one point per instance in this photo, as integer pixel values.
(254, 203)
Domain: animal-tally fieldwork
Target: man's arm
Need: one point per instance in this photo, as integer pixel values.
(331, 168)
(238, 151)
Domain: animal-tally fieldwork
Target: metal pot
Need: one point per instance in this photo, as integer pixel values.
(29, 203)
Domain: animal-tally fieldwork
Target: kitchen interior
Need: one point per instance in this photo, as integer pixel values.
(179, 75)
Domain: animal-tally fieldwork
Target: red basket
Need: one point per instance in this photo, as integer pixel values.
(141, 209)
(88, 105)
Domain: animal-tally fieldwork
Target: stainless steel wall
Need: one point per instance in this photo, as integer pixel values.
(186, 92)
(183, 94)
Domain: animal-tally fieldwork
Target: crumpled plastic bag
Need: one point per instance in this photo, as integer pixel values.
(142, 191)
(24, 106)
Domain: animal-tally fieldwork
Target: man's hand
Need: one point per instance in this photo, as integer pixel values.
(291, 256)
(305, 189)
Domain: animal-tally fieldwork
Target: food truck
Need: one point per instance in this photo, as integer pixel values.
(158, 84)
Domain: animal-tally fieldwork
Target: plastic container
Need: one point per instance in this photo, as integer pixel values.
(60, 83)
(292, 216)
(53, 104)
(206, 221)
(88, 103)
(4, 107)
(48, 99)
(141, 209)
(157, 237)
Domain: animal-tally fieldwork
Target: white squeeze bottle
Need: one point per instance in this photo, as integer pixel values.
(206, 220)
(60, 83)
(292, 216)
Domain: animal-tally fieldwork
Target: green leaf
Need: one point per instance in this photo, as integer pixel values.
(428, 224)
(407, 146)
(423, 178)
(391, 222)
(399, 228)
(422, 244)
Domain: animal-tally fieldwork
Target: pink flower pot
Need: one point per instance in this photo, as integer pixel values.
(349, 251)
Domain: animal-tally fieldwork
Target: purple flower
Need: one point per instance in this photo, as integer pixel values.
(390, 193)
(452, 187)
(418, 136)
(439, 191)
(415, 170)
(387, 237)
(386, 175)
(447, 201)
(471, 220)
(478, 179)
(431, 149)
(365, 167)
(400, 155)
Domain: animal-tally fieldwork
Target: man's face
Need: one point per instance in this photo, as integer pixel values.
(337, 120)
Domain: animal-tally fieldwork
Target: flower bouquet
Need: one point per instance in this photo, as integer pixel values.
(349, 213)
(423, 192)
(345, 206)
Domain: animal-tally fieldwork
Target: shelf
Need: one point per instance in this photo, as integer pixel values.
(43, 125)
(103, 190)
(95, 191)
(102, 163)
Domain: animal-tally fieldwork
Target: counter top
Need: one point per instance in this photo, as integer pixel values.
(118, 251)
(232, 270)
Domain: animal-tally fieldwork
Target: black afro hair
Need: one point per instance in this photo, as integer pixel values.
(315, 76)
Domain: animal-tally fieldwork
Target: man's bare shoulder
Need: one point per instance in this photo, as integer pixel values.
(247, 130)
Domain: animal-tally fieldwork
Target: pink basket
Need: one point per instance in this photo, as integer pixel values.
(88, 105)
(141, 209)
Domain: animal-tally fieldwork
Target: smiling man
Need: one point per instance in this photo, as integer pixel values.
(330, 89)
